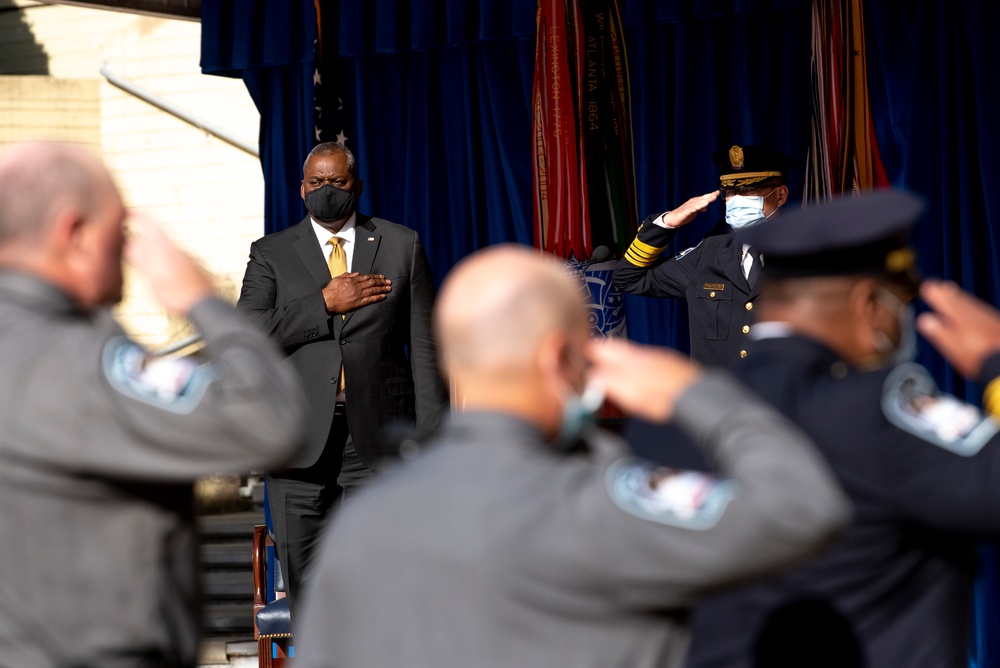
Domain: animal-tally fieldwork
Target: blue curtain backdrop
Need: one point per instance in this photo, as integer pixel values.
(440, 90)
(935, 99)
(270, 46)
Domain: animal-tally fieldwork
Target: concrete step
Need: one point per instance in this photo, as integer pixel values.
(226, 575)
(232, 554)
(229, 525)
(227, 585)
(229, 620)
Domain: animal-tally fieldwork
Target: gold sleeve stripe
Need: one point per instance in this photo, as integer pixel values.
(642, 254)
(991, 398)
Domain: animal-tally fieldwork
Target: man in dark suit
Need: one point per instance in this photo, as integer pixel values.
(349, 298)
(718, 277)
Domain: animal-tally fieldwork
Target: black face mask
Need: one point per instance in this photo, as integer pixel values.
(328, 203)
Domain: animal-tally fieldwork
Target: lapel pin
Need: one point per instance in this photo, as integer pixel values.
(371, 238)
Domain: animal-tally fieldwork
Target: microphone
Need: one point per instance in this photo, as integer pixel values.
(600, 254)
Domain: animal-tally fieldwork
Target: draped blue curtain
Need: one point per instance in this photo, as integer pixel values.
(443, 140)
(934, 100)
(270, 46)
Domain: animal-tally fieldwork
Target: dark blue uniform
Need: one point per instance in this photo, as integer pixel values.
(923, 473)
(709, 276)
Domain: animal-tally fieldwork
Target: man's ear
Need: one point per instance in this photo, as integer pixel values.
(553, 358)
(861, 300)
(868, 314)
(782, 194)
(67, 232)
(359, 186)
(302, 191)
(551, 353)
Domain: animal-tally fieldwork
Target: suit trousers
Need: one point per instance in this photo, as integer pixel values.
(302, 499)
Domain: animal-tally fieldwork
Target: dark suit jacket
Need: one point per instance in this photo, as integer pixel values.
(389, 356)
(709, 276)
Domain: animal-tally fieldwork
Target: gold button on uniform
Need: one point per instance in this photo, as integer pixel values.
(711, 294)
(743, 354)
(746, 329)
(749, 306)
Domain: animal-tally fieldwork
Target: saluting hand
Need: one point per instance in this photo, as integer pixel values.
(963, 328)
(642, 381)
(348, 292)
(178, 281)
(689, 210)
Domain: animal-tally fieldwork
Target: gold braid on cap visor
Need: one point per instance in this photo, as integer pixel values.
(745, 179)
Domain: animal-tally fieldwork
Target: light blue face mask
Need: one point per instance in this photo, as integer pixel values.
(578, 414)
(745, 210)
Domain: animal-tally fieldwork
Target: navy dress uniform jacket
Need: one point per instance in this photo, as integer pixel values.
(709, 276)
(897, 589)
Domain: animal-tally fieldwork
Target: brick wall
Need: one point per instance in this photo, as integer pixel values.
(208, 194)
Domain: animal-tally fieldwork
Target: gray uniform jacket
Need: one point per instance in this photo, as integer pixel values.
(98, 449)
(493, 549)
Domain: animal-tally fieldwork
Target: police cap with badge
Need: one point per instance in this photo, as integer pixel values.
(849, 236)
(751, 167)
(868, 235)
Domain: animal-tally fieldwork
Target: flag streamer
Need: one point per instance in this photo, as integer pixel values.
(843, 151)
(584, 173)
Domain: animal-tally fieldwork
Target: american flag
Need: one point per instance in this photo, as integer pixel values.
(329, 79)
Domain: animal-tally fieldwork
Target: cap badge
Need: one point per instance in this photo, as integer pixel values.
(736, 157)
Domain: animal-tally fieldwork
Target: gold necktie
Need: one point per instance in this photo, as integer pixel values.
(338, 265)
(338, 260)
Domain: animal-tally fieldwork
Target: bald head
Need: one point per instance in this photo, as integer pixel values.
(497, 306)
(38, 179)
(61, 218)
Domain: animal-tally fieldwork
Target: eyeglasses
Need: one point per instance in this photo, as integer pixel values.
(745, 191)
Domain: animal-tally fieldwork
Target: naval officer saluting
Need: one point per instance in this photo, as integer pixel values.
(718, 277)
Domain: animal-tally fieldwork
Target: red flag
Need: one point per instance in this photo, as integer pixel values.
(561, 221)
(843, 155)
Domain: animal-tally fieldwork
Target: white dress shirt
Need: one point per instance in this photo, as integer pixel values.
(346, 233)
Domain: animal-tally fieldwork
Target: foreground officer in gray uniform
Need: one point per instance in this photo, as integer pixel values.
(921, 467)
(519, 540)
(99, 440)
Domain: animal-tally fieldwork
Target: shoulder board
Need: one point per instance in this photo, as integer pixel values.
(176, 384)
(911, 401)
(677, 497)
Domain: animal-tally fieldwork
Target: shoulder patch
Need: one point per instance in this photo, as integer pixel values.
(677, 497)
(911, 401)
(175, 384)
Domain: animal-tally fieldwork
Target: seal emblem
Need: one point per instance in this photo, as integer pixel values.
(736, 157)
